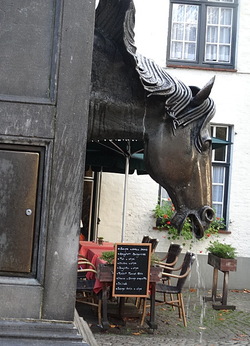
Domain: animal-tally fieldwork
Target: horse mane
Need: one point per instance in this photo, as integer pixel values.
(115, 19)
(157, 81)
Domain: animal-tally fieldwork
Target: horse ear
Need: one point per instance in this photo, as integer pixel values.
(203, 94)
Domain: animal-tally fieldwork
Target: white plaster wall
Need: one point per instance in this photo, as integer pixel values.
(231, 94)
(111, 207)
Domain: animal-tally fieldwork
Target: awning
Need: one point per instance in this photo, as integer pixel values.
(218, 143)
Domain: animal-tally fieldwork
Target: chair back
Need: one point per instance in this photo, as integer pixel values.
(186, 265)
(154, 242)
(146, 239)
(173, 252)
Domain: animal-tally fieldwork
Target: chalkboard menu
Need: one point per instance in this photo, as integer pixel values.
(131, 270)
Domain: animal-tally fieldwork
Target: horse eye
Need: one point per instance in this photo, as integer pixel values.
(206, 145)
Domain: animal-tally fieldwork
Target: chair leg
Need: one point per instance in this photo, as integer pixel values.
(182, 309)
(144, 309)
(138, 302)
(99, 311)
(171, 295)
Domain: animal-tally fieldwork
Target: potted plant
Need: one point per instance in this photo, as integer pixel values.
(100, 240)
(108, 256)
(222, 256)
(105, 271)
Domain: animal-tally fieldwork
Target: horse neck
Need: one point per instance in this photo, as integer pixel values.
(115, 119)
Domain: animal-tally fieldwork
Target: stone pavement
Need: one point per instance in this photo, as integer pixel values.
(206, 326)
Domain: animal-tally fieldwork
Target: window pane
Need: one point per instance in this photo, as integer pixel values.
(224, 54)
(218, 174)
(217, 193)
(220, 154)
(178, 13)
(221, 132)
(190, 33)
(213, 15)
(177, 31)
(191, 14)
(176, 50)
(212, 34)
(164, 194)
(189, 53)
(218, 210)
(226, 16)
(211, 52)
(225, 35)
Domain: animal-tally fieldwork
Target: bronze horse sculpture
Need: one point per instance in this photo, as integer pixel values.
(133, 98)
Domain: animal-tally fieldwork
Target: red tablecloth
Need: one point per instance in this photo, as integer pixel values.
(93, 251)
(86, 245)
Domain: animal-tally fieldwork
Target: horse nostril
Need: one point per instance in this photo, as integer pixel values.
(207, 214)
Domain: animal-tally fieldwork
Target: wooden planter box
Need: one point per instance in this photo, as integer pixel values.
(223, 264)
(105, 272)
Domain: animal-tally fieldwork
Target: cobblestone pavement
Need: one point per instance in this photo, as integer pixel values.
(206, 326)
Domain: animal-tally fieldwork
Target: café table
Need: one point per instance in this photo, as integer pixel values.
(85, 246)
(93, 252)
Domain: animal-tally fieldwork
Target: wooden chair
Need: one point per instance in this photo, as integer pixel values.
(154, 242)
(171, 259)
(85, 287)
(171, 256)
(84, 263)
(174, 289)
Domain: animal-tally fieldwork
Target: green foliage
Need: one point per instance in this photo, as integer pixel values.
(165, 210)
(222, 250)
(108, 256)
(154, 258)
(163, 214)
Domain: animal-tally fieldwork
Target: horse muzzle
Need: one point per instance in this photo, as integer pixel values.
(200, 220)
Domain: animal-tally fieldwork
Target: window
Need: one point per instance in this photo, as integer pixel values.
(202, 33)
(221, 157)
(220, 171)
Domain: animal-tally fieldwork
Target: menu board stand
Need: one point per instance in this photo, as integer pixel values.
(131, 270)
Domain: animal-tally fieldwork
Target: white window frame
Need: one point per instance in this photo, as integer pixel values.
(189, 42)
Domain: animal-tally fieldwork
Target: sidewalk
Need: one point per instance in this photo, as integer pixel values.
(206, 326)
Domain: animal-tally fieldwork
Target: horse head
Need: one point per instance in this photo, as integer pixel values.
(178, 156)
